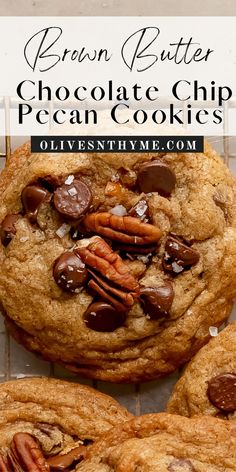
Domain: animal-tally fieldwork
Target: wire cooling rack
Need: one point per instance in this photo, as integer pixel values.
(16, 362)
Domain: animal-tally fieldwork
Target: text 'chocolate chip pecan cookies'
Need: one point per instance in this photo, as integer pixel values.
(116, 265)
(165, 443)
(208, 385)
(46, 424)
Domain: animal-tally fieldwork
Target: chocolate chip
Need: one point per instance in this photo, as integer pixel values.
(178, 256)
(181, 465)
(101, 316)
(156, 176)
(222, 391)
(157, 301)
(72, 200)
(32, 197)
(140, 210)
(69, 272)
(8, 229)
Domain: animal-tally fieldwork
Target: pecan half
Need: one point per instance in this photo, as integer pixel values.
(107, 270)
(3, 465)
(110, 293)
(98, 255)
(125, 229)
(26, 455)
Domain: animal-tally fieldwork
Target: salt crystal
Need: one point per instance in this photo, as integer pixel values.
(23, 239)
(176, 268)
(72, 191)
(118, 210)
(78, 290)
(63, 230)
(213, 330)
(115, 178)
(144, 259)
(75, 234)
(174, 245)
(141, 208)
(69, 179)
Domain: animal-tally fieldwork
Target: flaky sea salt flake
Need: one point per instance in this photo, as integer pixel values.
(176, 267)
(72, 191)
(69, 179)
(118, 210)
(63, 230)
(213, 330)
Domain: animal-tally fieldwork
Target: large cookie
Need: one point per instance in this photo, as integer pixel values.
(116, 265)
(165, 443)
(51, 418)
(208, 384)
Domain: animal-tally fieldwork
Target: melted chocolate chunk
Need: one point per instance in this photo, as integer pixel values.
(101, 316)
(32, 197)
(63, 462)
(157, 301)
(72, 200)
(181, 465)
(8, 229)
(178, 256)
(222, 392)
(69, 272)
(156, 176)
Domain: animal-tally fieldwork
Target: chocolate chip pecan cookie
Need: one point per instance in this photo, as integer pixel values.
(46, 424)
(165, 443)
(208, 385)
(116, 265)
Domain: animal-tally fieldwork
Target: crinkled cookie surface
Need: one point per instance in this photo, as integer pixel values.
(160, 273)
(165, 443)
(57, 419)
(208, 384)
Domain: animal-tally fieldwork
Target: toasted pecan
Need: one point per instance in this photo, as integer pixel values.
(98, 255)
(125, 229)
(26, 455)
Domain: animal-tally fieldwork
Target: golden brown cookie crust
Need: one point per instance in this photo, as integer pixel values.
(50, 322)
(190, 396)
(55, 412)
(162, 443)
